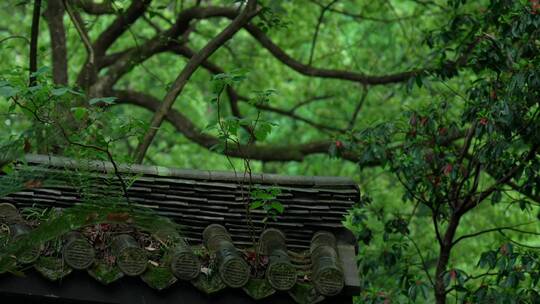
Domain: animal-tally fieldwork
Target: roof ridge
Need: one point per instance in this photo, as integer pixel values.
(211, 175)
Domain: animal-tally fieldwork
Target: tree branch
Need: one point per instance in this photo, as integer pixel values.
(310, 100)
(424, 264)
(503, 180)
(234, 97)
(317, 28)
(358, 107)
(122, 62)
(308, 70)
(270, 152)
(119, 26)
(291, 115)
(79, 26)
(511, 228)
(88, 74)
(249, 12)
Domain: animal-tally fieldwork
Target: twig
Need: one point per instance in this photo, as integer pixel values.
(15, 37)
(317, 28)
(518, 243)
(34, 35)
(424, 265)
(511, 228)
(76, 19)
(94, 147)
(358, 108)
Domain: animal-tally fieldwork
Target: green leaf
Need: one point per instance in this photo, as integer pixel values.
(63, 90)
(8, 91)
(413, 292)
(59, 91)
(277, 206)
(40, 71)
(8, 169)
(496, 197)
(256, 205)
(262, 131)
(106, 100)
(79, 112)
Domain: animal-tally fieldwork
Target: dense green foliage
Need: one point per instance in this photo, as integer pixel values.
(444, 143)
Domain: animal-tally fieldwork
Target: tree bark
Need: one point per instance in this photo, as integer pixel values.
(444, 257)
(54, 15)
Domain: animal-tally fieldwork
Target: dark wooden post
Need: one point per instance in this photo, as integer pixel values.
(233, 270)
(130, 257)
(280, 273)
(185, 265)
(326, 270)
(78, 253)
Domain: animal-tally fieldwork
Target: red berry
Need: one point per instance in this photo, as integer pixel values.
(448, 169)
(453, 274)
(484, 121)
(504, 249)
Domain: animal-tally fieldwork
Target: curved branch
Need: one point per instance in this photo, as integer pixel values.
(309, 101)
(167, 38)
(501, 181)
(161, 42)
(81, 30)
(249, 12)
(234, 97)
(294, 116)
(308, 70)
(15, 37)
(119, 26)
(185, 51)
(362, 17)
(88, 74)
(497, 229)
(270, 152)
(122, 62)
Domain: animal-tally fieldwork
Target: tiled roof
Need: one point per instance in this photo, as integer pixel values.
(195, 199)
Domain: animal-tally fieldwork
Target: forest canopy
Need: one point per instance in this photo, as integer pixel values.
(431, 106)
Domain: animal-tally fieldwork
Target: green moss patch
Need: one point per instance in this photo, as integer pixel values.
(158, 277)
(104, 273)
(209, 283)
(52, 268)
(258, 289)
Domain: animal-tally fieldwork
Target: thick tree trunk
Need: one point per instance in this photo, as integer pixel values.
(54, 16)
(444, 257)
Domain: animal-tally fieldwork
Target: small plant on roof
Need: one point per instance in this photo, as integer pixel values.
(265, 199)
